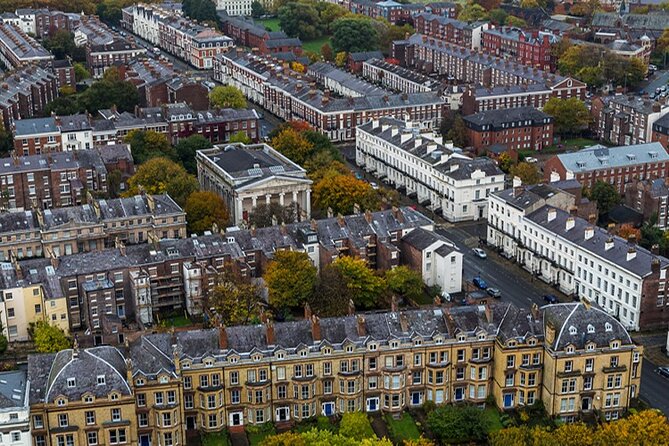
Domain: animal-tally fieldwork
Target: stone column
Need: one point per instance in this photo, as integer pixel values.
(281, 195)
(268, 198)
(308, 203)
(239, 209)
(254, 199)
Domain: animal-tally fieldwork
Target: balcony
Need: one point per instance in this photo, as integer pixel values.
(617, 368)
(564, 374)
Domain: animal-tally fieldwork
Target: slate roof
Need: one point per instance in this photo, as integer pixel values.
(405, 73)
(152, 355)
(462, 169)
(13, 389)
(421, 238)
(502, 118)
(24, 47)
(18, 222)
(521, 324)
(325, 70)
(640, 265)
(54, 161)
(563, 316)
(600, 157)
(513, 33)
(365, 55)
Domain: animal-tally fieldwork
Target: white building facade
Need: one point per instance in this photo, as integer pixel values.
(438, 175)
(235, 7)
(14, 411)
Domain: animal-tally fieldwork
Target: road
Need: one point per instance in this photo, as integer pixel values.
(516, 285)
(658, 79)
(179, 65)
(654, 387)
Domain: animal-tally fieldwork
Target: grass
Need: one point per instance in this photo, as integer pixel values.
(403, 429)
(272, 23)
(257, 434)
(312, 45)
(494, 422)
(177, 321)
(216, 439)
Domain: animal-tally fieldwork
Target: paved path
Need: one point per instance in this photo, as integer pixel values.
(379, 426)
(239, 439)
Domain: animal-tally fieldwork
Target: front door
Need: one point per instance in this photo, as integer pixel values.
(236, 419)
(282, 414)
(144, 440)
(585, 404)
(190, 423)
(508, 400)
(372, 404)
(416, 398)
(328, 409)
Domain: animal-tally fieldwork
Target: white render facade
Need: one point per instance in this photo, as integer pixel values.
(440, 177)
(14, 414)
(235, 7)
(581, 260)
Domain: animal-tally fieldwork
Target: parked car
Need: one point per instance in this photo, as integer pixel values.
(550, 299)
(374, 185)
(494, 292)
(664, 371)
(480, 283)
(478, 252)
(359, 176)
(445, 296)
(531, 160)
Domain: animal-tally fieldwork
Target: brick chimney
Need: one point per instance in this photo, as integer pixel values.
(315, 327)
(222, 337)
(368, 216)
(393, 304)
(535, 311)
(269, 332)
(360, 324)
(404, 323)
(488, 313)
(307, 311)
(341, 221)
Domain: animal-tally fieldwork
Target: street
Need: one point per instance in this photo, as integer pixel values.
(654, 387)
(515, 284)
(658, 79)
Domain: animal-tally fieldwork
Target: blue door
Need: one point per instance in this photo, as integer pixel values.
(328, 409)
(415, 398)
(372, 404)
(144, 440)
(508, 400)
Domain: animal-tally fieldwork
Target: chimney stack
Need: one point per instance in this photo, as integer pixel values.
(351, 307)
(307, 311)
(315, 328)
(269, 331)
(393, 304)
(360, 322)
(222, 337)
(404, 323)
(488, 313)
(535, 311)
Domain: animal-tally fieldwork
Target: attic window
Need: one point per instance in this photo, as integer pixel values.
(60, 402)
(280, 355)
(573, 330)
(608, 326)
(233, 360)
(482, 337)
(590, 347)
(569, 349)
(185, 365)
(256, 357)
(372, 347)
(208, 363)
(71, 382)
(326, 351)
(615, 345)
(113, 396)
(591, 329)
(418, 342)
(462, 338)
(140, 381)
(88, 399)
(394, 344)
(532, 342)
(438, 341)
(101, 380)
(303, 353)
(511, 343)
(163, 379)
(349, 349)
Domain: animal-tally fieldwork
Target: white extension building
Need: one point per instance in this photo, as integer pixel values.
(418, 163)
(580, 259)
(14, 409)
(235, 7)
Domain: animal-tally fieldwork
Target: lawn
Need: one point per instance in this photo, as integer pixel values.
(257, 434)
(216, 439)
(494, 422)
(177, 321)
(403, 429)
(312, 45)
(271, 24)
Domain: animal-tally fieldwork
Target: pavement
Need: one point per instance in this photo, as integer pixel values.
(657, 80)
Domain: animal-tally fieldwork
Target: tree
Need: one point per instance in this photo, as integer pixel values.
(234, 298)
(67, 90)
(264, 215)
(226, 96)
(326, 52)
(162, 176)
(605, 195)
(341, 59)
(648, 428)
(80, 72)
(516, 21)
(363, 285)
(297, 67)
(200, 10)
(341, 192)
(257, 9)
(203, 209)
(290, 278)
(457, 131)
(328, 14)
(598, 66)
(390, 33)
(293, 145)
(186, 151)
(320, 437)
(109, 91)
(353, 35)
(331, 295)
(505, 162)
(300, 20)
(422, 441)
(114, 180)
(529, 4)
(49, 338)
(528, 173)
(570, 116)
(356, 425)
(472, 12)
(452, 424)
(241, 137)
(405, 282)
(147, 144)
(61, 45)
(498, 16)
(628, 231)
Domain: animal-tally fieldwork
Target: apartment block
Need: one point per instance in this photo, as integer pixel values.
(355, 60)
(245, 32)
(660, 132)
(166, 386)
(14, 418)
(54, 134)
(650, 198)
(54, 179)
(448, 29)
(246, 175)
(614, 165)
(584, 261)
(420, 165)
(399, 13)
(17, 49)
(64, 72)
(43, 23)
(480, 99)
(291, 96)
(513, 129)
(342, 83)
(25, 92)
(396, 78)
(626, 120)
(529, 48)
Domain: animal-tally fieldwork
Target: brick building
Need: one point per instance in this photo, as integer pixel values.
(660, 131)
(516, 128)
(17, 49)
(43, 23)
(529, 48)
(479, 99)
(355, 60)
(396, 78)
(651, 199)
(64, 72)
(54, 134)
(614, 165)
(450, 30)
(24, 93)
(245, 32)
(625, 120)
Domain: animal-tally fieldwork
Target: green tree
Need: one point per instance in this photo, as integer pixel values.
(241, 137)
(498, 16)
(340, 192)
(293, 145)
(405, 282)
(606, 195)
(389, 33)
(528, 173)
(328, 13)
(353, 35)
(300, 20)
(80, 72)
(109, 91)
(341, 59)
(235, 299)
(472, 12)
(49, 338)
(363, 285)
(200, 10)
(570, 116)
(356, 425)
(257, 9)
(505, 162)
(61, 45)
(114, 180)
(290, 278)
(463, 424)
(457, 132)
(326, 52)
(203, 209)
(331, 295)
(147, 144)
(186, 151)
(515, 21)
(162, 176)
(6, 142)
(264, 215)
(226, 96)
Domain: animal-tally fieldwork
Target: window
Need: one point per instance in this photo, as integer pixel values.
(92, 438)
(116, 414)
(90, 417)
(101, 380)
(71, 382)
(234, 378)
(117, 436)
(62, 420)
(38, 422)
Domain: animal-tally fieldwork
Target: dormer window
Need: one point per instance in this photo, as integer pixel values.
(163, 379)
(349, 349)
(101, 380)
(394, 344)
(482, 337)
(372, 347)
(60, 402)
(615, 345)
(256, 357)
(591, 329)
(532, 342)
(418, 342)
(608, 326)
(462, 338)
(139, 382)
(569, 349)
(185, 365)
(573, 331)
(71, 382)
(280, 355)
(233, 359)
(113, 396)
(303, 353)
(438, 341)
(88, 399)
(590, 347)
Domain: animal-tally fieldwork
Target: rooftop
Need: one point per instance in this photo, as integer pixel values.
(600, 157)
(24, 47)
(504, 118)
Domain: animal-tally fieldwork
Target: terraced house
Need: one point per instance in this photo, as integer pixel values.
(165, 387)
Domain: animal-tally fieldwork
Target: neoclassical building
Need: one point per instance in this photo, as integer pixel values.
(248, 175)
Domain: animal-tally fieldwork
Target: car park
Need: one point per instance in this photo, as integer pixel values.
(478, 252)
(480, 283)
(550, 299)
(494, 292)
